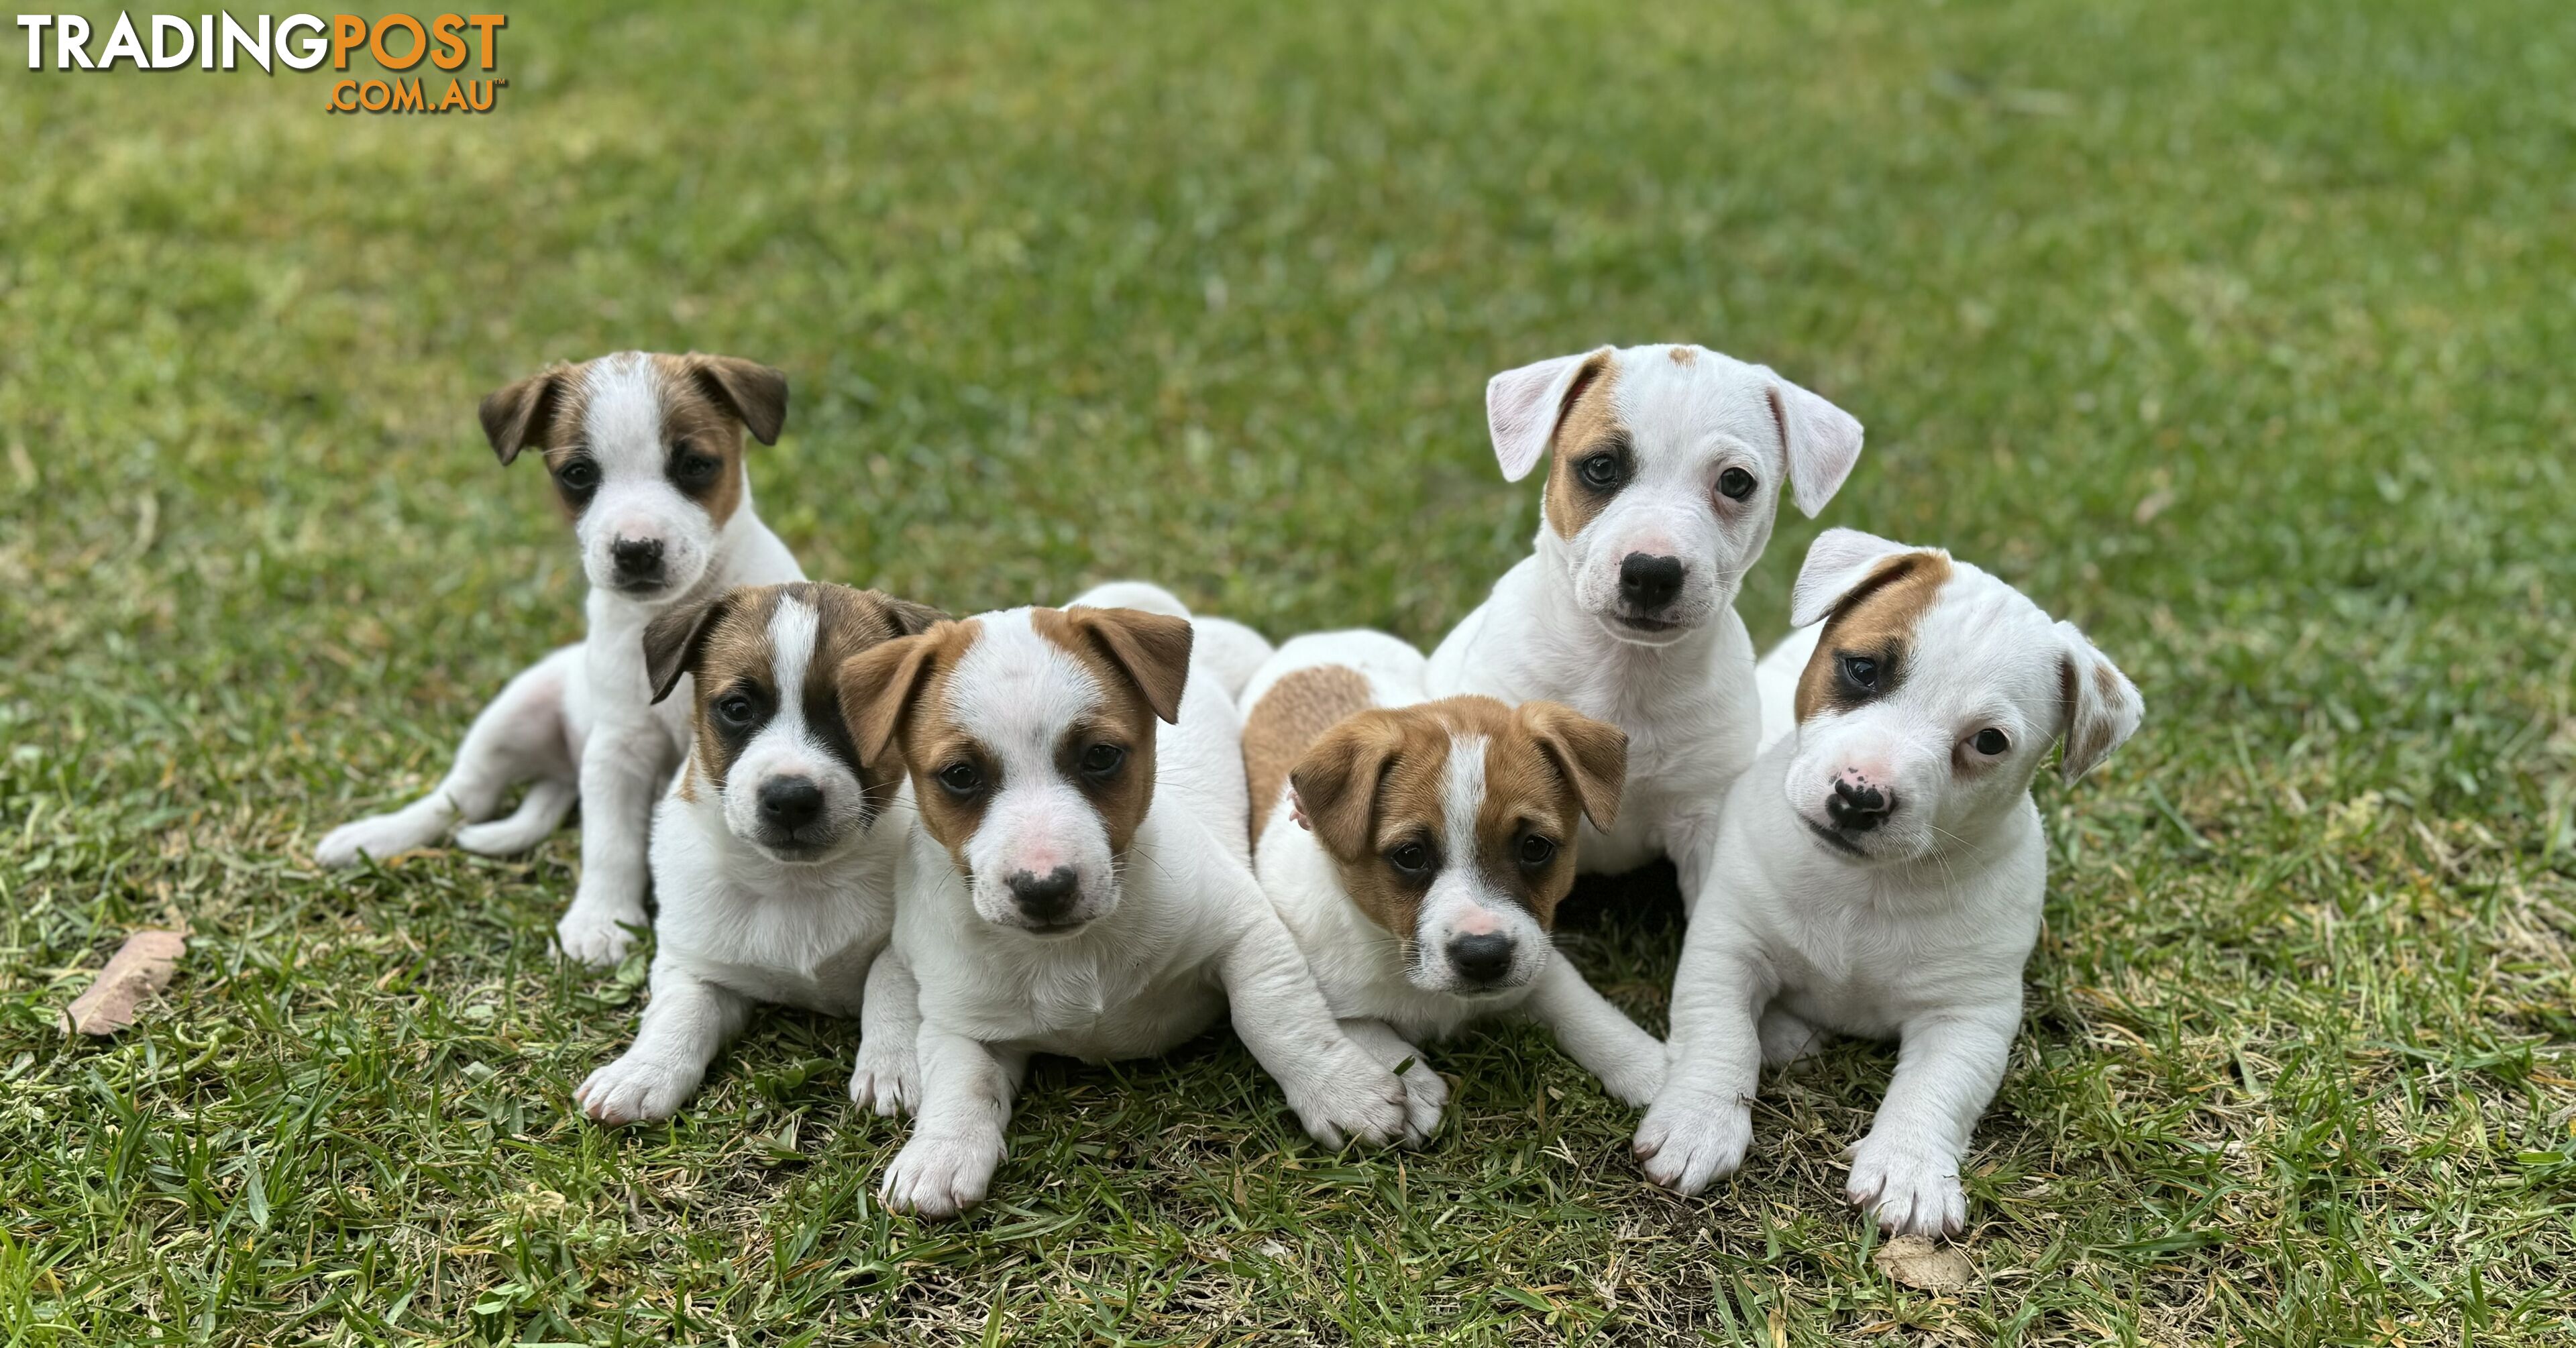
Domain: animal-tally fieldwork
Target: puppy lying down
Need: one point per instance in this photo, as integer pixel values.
(1078, 881)
(1418, 851)
(1879, 869)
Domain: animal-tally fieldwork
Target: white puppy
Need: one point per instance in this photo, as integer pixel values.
(1418, 850)
(646, 455)
(1666, 465)
(772, 858)
(1879, 871)
(1076, 883)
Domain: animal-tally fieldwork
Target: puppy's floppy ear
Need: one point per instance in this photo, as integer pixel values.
(1336, 783)
(878, 687)
(1837, 562)
(1591, 755)
(910, 619)
(523, 414)
(1523, 406)
(1821, 441)
(674, 638)
(2102, 707)
(1152, 649)
(755, 392)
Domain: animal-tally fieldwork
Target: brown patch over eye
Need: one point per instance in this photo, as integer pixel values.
(1589, 431)
(1125, 717)
(694, 427)
(1869, 637)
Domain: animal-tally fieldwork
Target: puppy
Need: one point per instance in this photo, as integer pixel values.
(646, 454)
(1417, 851)
(1076, 882)
(1879, 870)
(1666, 464)
(772, 856)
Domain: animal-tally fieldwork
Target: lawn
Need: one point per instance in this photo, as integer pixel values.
(2237, 333)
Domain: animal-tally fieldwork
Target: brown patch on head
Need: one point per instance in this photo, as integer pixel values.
(1682, 355)
(894, 697)
(1875, 620)
(1288, 719)
(706, 403)
(1141, 662)
(1589, 426)
(543, 412)
(1547, 768)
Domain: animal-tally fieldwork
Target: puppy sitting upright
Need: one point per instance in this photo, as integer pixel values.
(772, 856)
(1418, 850)
(1666, 464)
(646, 455)
(1879, 871)
(1076, 883)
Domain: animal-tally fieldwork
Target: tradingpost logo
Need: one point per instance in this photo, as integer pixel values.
(405, 48)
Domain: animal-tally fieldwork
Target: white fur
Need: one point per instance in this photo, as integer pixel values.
(1553, 627)
(584, 718)
(1179, 932)
(740, 922)
(1916, 930)
(1390, 994)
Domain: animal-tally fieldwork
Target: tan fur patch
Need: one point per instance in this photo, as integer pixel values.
(2086, 739)
(1125, 718)
(1590, 426)
(690, 416)
(899, 690)
(735, 654)
(1290, 717)
(1683, 355)
(1876, 620)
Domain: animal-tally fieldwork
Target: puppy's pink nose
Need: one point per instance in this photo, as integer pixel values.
(1477, 922)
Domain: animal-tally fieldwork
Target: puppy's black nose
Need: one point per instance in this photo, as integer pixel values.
(1481, 958)
(637, 558)
(790, 802)
(1858, 807)
(1649, 582)
(1044, 897)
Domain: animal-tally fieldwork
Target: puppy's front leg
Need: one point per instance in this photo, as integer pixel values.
(1425, 1092)
(887, 1076)
(1629, 1061)
(1947, 1068)
(1702, 1120)
(687, 1023)
(1337, 1089)
(621, 767)
(966, 1090)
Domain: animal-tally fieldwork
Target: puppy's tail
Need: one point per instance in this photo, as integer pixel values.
(1227, 648)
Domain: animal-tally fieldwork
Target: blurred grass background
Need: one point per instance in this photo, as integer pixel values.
(2237, 334)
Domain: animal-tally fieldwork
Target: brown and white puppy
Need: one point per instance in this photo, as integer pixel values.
(1879, 870)
(1077, 882)
(1417, 850)
(773, 853)
(646, 453)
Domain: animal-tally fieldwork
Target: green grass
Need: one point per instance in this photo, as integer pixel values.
(2237, 333)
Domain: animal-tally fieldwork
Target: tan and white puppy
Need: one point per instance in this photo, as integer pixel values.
(646, 453)
(1417, 850)
(1079, 880)
(1666, 465)
(773, 853)
(1879, 870)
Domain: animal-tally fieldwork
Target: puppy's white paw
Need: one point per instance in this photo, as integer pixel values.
(597, 933)
(1912, 1188)
(885, 1080)
(636, 1090)
(1352, 1096)
(939, 1176)
(1635, 1079)
(1685, 1143)
(379, 836)
(1426, 1095)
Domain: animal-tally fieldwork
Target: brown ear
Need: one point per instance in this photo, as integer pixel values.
(1592, 755)
(673, 639)
(1152, 649)
(1337, 781)
(755, 392)
(911, 619)
(878, 686)
(523, 414)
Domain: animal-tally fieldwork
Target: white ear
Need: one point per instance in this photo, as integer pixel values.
(2102, 707)
(1838, 560)
(1822, 442)
(1523, 406)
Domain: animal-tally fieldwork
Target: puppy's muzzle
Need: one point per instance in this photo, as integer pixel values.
(1648, 585)
(790, 803)
(1482, 960)
(638, 562)
(1857, 806)
(1044, 899)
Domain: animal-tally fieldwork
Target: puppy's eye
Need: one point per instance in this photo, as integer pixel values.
(1860, 671)
(1412, 859)
(962, 779)
(1602, 472)
(1537, 851)
(1100, 760)
(691, 467)
(1735, 484)
(737, 709)
(580, 475)
(1990, 742)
